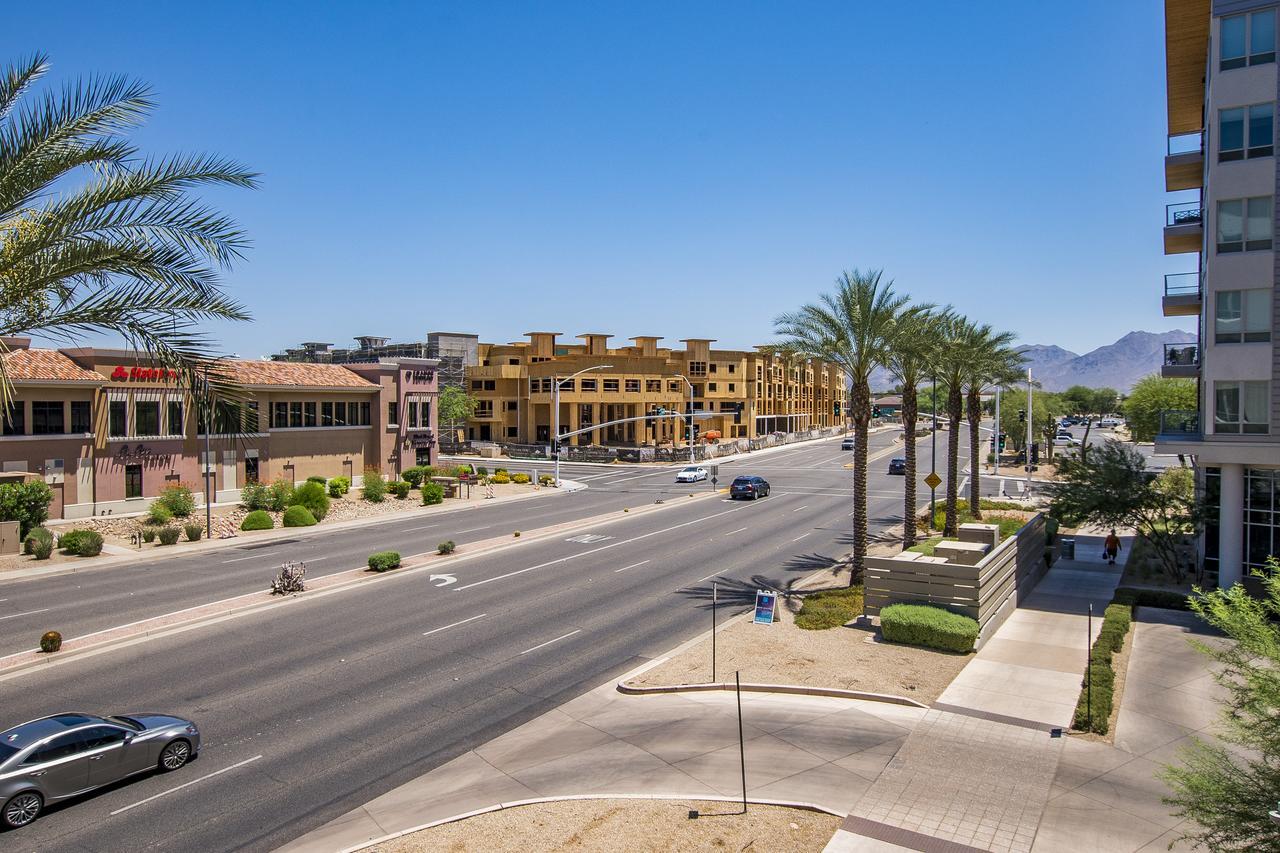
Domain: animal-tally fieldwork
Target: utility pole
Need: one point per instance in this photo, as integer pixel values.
(690, 384)
(995, 437)
(1030, 432)
(208, 428)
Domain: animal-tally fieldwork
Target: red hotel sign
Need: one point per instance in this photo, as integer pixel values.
(140, 374)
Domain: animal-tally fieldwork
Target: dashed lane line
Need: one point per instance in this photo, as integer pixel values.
(26, 613)
(549, 642)
(632, 566)
(454, 624)
(185, 785)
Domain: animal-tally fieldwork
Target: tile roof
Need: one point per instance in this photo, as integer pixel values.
(256, 373)
(45, 365)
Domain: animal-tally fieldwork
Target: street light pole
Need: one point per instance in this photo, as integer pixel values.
(1030, 432)
(555, 413)
(690, 384)
(208, 428)
(933, 456)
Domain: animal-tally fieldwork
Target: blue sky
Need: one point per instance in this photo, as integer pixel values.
(686, 170)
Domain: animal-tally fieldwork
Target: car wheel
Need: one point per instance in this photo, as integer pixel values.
(175, 754)
(22, 809)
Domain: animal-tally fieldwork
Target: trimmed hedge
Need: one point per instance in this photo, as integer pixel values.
(830, 608)
(500, 477)
(1097, 694)
(432, 493)
(311, 495)
(925, 625)
(298, 516)
(1165, 598)
(259, 519)
(169, 535)
(413, 475)
(81, 543)
(384, 560)
(521, 479)
(317, 479)
(339, 486)
(446, 547)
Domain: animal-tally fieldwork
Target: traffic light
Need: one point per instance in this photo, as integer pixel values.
(1035, 453)
(875, 411)
(1002, 437)
(1022, 416)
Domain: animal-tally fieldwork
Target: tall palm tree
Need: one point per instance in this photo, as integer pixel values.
(96, 237)
(992, 362)
(853, 328)
(958, 336)
(914, 349)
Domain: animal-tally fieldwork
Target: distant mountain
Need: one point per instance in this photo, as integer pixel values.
(1118, 365)
(1045, 358)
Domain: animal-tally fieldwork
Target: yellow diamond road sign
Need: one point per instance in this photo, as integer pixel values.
(933, 480)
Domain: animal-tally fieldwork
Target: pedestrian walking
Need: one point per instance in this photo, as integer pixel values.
(1111, 547)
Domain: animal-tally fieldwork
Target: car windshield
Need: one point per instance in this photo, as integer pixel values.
(6, 752)
(742, 481)
(127, 722)
(689, 471)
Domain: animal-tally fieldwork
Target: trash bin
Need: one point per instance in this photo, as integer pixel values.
(1068, 547)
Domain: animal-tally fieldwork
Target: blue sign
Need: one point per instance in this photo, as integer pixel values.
(766, 607)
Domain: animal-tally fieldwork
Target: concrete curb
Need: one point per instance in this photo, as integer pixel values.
(708, 798)
(794, 689)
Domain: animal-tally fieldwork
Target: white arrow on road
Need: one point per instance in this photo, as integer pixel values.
(445, 580)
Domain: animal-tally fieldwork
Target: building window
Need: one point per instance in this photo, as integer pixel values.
(567, 384)
(133, 481)
(610, 385)
(633, 386)
(1240, 407)
(490, 385)
(393, 413)
(712, 367)
(674, 387)
(589, 385)
(340, 414)
(1242, 316)
(513, 362)
(484, 408)
(1231, 132)
(279, 415)
(16, 422)
(174, 423)
(146, 417)
(46, 417)
(81, 416)
(309, 414)
(510, 406)
(365, 408)
(476, 384)
(411, 413)
(697, 368)
(1244, 224)
(295, 414)
(711, 386)
(117, 419)
(653, 386)
(513, 432)
(732, 387)
(1261, 516)
(1257, 31)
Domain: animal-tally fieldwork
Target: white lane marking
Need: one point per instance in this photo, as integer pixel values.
(797, 509)
(473, 530)
(454, 624)
(643, 476)
(549, 642)
(312, 559)
(597, 550)
(447, 579)
(739, 530)
(423, 527)
(185, 785)
(708, 577)
(801, 536)
(632, 566)
(27, 613)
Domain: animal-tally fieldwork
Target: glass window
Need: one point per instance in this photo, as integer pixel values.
(1241, 407)
(279, 415)
(1231, 43)
(1242, 316)
(100, 736)
(611, 385)
(46, 417)
(1261, 132)
(117, 419)
(393, 412)
(340, 414)
(309, 413)
(146, 417)
(81, 416)
(1258, 225)
(60, 747)
(295, 414)
(1230, 134)
(588, 385)
(1231, 226)
(175, 418)
(633, 386)
(133, 481)
(411, 412)
(1262, 37)
(16, 422)
(364, 414)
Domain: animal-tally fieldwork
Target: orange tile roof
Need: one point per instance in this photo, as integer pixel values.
(257, 373)
(45, 365)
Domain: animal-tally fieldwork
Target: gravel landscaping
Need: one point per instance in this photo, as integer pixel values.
(632, 825)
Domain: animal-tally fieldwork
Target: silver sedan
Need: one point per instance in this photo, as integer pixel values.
(53, 758)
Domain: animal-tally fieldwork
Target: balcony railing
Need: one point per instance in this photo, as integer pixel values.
(1180, 424)
(1181, 355)
(1186, 143)
(1183, 213)
(1182, 284)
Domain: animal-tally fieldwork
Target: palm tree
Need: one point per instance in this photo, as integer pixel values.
(958, 336)
(853, 328)
(992, 362)
(95, 237)
(914, 349)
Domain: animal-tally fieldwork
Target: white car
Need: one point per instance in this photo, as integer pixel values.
(1108, 423)
(691, 474)
(1067, 439)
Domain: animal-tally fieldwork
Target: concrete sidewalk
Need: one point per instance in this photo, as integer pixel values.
(818, 751)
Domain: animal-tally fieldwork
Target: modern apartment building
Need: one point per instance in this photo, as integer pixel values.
(1222, 93)
(750, 393)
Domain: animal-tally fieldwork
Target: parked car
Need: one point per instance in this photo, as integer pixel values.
(1067, 439)
(898, 465)
(847, 444)
(1109, 423)
(749, 487)
(691, 474)
(53, 758)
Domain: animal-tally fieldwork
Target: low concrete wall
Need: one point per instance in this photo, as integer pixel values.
(987, 592)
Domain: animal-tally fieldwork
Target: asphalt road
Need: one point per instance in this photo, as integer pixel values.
(312, 708)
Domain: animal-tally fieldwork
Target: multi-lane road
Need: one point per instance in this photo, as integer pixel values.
(314, 707)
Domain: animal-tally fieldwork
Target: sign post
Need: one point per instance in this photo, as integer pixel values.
(766, 607)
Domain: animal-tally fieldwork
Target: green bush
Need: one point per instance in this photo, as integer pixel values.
(399, 488)
(339, 486)
(259, 519)
(446, 547)
(81, 543)
(522, 479)
(546, 480)
(482, 471)
(298, 516)
(501, 471)
(926, 625)
(413, 476)
(148, 534)
(1093, 709)
(50, 642)
(432, 493)
(25, 503)
(384, 560)
(320, 481)
(375, 488)
(281, 495)
(193, 531)
(1165, 598)
(460, 471)
(312, 496)
(501, 477)
(39, 543)
(830, 608)
(255, 496)
(1009, 525)
(169, 535)
(159, 514)
(178, 499)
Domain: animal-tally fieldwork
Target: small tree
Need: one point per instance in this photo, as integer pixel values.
(25, 503)
(1111, 487)
(1153, 395)
(454, 407)
(1227, 793)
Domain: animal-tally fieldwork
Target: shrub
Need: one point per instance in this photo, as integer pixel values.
(516, 534)
(497, 471)
(25, 503)
(159, 514)
(298, 516)
(460, 471)
(36, 536)
(1166, 598)
(375, 488)
(259, 519)
(432, 493)
(399, 488)
(148, 534)
(255, 496)
(413, 476)
(446, 547)
(925, 625)
(501, 477)
(482, 471)
(81, 543)
(312, 496)
(290, 579)
(384, 560)
(178, 499)
(522, 479)
(546, 480)
(320, 481)
(281, 495)
(830, 608)
(339, 486)
(1093, 709)
(193, 531)
(50, 642)
(169, 535)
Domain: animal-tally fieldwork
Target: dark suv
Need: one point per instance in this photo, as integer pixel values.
(749, 487)
(897, 465)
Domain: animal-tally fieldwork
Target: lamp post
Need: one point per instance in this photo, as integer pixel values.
(555, 412)
(1030, 433)
(690, 384)
(933, 456)
(208, 428)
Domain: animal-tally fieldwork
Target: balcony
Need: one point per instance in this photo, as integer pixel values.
(1183, 294)
(1181, 361)
(1183, 227)
(1179, 425)
(1184, 162)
